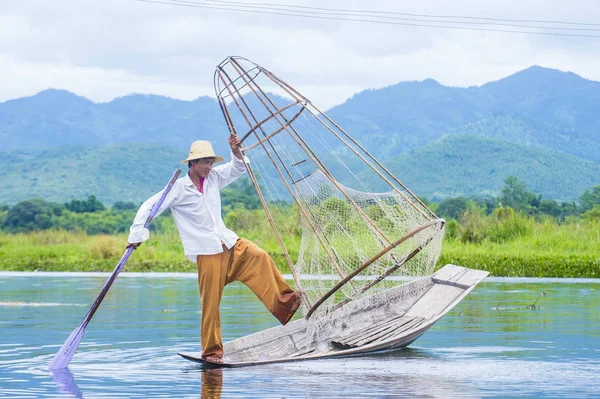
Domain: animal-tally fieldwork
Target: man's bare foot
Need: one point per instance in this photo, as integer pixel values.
(213, 359)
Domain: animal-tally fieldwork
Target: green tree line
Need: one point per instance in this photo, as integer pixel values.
(517, 233)
(92, 217)
(470, 219)
(512, 213)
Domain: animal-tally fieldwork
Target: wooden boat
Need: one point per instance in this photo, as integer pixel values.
(388, 320)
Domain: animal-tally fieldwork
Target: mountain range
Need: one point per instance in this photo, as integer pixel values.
(539, 124)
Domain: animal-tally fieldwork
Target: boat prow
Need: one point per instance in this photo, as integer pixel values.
(388, 320)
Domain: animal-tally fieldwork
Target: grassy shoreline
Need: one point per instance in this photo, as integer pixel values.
(570, 250)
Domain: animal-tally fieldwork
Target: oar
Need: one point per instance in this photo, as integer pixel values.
(67, 350)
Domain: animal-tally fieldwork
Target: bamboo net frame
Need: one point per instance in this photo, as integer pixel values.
(263, 120)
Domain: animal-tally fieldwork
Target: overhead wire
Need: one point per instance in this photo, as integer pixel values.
(393, 14)
(260, 8)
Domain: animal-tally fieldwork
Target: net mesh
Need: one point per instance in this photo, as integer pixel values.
(346, 226)
(342, 232)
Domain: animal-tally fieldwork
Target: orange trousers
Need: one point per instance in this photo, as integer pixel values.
(249, 264)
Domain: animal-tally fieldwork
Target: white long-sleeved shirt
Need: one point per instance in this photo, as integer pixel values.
(197, 215)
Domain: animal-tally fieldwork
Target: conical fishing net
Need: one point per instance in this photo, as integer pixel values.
(346, 226)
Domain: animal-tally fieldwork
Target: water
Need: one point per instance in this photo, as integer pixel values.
(490, 345)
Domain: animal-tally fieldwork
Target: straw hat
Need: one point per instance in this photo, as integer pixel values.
(201, 149)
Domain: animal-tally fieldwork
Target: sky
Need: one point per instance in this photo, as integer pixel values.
(102, 49)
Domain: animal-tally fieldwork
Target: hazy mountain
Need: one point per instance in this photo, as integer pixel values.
(561, 98)
(65, 146)
(161, 120)
(474, 166)
(451, 166)
(111, 173)
(538, 106)
(50, 118)
(57, 117)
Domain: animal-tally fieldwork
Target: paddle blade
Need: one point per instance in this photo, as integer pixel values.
(67, 350)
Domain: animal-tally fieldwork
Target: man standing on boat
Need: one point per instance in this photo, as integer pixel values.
(221, 256)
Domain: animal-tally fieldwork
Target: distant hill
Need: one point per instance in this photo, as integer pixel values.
(451, 166)
(540, 124)
(474, 166)
(111, 173)
(538, 106)
(58, 117)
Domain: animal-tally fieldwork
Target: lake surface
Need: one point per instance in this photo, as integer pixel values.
(490, 345)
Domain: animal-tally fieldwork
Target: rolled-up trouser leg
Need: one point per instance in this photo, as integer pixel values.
(254, 267)
(212, 271)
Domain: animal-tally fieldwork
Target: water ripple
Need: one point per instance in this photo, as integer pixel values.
(130, 347)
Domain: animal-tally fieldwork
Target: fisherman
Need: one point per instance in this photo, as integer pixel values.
(221, 256)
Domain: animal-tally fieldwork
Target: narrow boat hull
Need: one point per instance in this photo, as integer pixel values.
(391, 319)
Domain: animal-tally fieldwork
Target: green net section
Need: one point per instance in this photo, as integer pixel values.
(343, 229)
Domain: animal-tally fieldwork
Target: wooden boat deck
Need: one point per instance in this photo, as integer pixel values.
(378, 333)
(390, 319)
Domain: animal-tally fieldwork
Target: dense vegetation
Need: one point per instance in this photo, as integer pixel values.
(516, 234)
(91, 217)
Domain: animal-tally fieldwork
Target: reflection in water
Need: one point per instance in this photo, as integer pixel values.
(212, 383)
(66, 383)
(407, 373)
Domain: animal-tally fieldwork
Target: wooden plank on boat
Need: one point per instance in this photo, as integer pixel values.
(459, 275)
(360, 333)
(352, 339)
(375, 335)
(472, 277)
(280, 339)
(383, 336)
(450, 273)
(435, 301)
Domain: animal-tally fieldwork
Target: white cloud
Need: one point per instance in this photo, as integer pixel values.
(104, 49)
